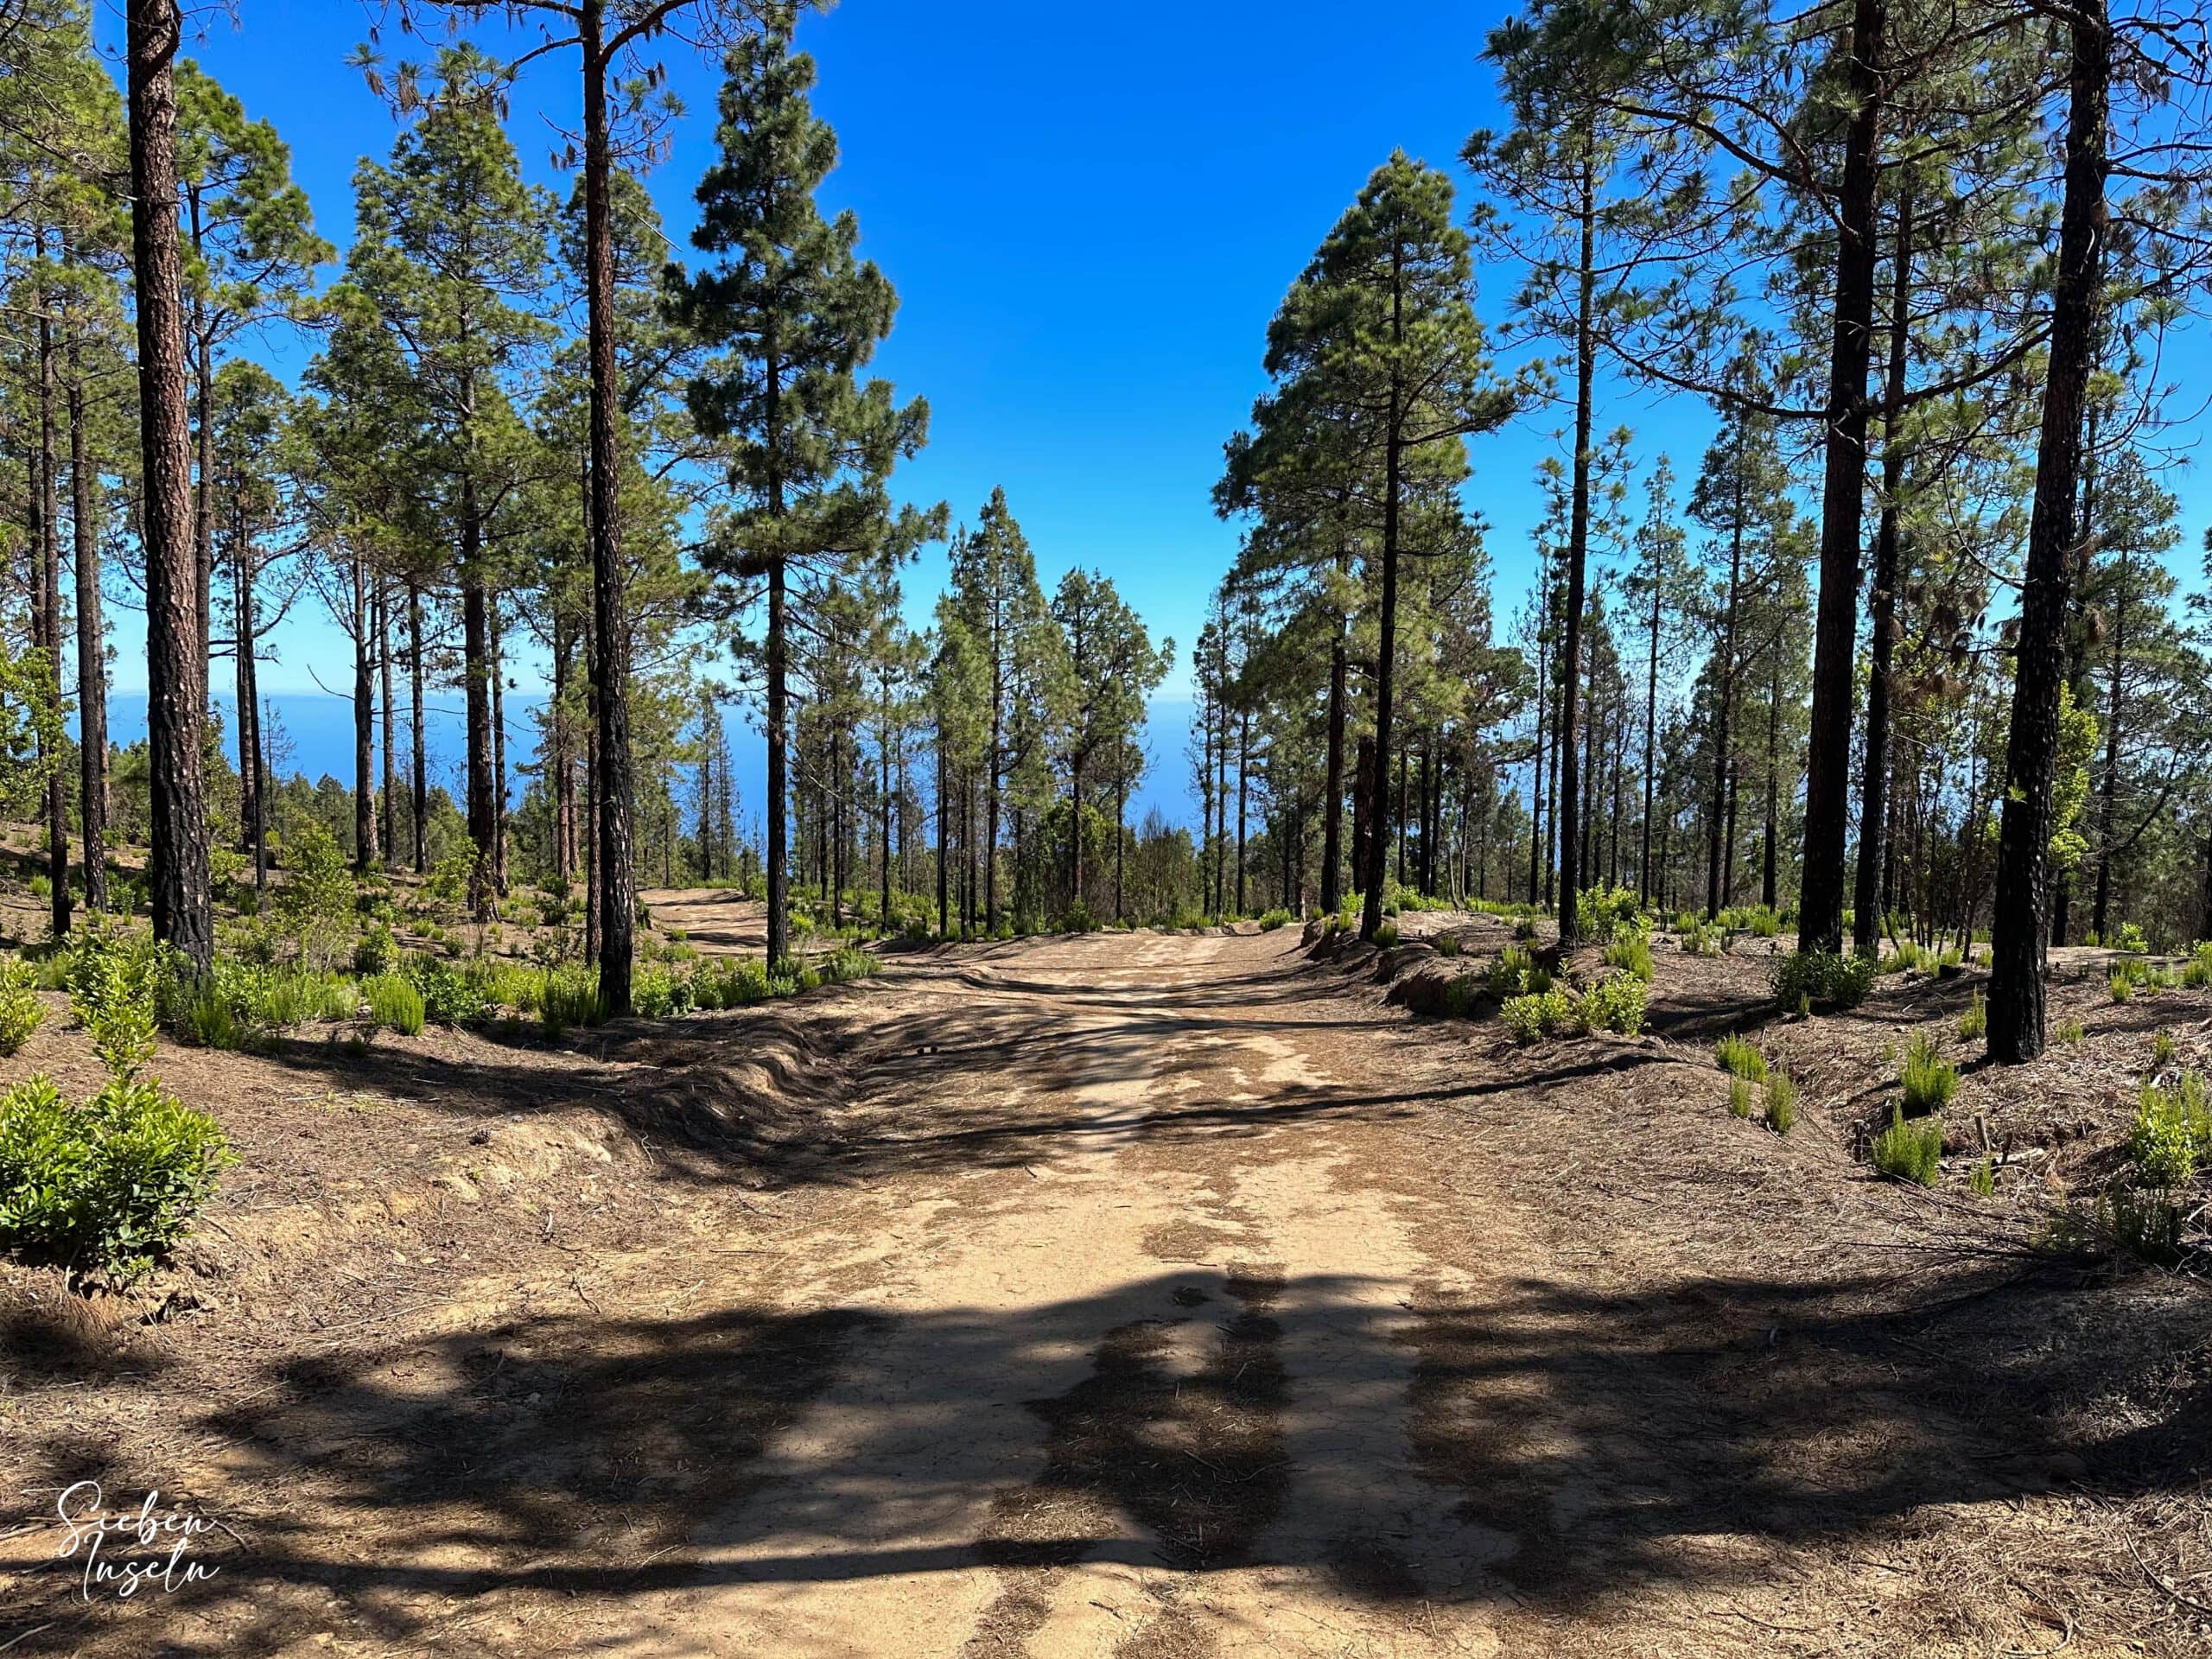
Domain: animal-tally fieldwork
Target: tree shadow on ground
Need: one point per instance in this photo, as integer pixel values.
(1589, 1440)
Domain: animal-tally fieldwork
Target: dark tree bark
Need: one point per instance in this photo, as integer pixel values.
(1385, 651)
(1332, 803)
(175, 665)
(1874, 778)
(48, 631)
(419, 764)
(364, 723)
(389, 837)
(2020, 937)
(91, 648)
(609, 577)
(1827, 779)
(1568, 803)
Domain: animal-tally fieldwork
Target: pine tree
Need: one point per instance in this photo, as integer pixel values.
(793, 314)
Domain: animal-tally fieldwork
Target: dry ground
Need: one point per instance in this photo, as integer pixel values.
(1140, 1295)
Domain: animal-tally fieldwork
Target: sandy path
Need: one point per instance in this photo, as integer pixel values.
(904, 1514)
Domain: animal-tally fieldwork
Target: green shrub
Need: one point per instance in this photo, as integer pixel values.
(395, 1004)
(1973, 1024)
(1781, 1102)
(1540, 1014)
(1700, 937)
(449, 996)
(1824, 978)
(2071, 1032)
(1447, 945)
(2130, 940)
(375, 951)
(2173, 1137)
(1929, 1081)
(846, 963)
(1601, 910)
(1274, 919)
(1517, 971)
(726, 984)
(1910, 1150)
(1983, 1182)
(1386, 935)
(656, 993)
(320, 899)
(1631, 955)
(209, 1022)
(2122, 987)
(2162, 1049)
(570, 997)
(1741, 1059)
(1614, 1003)
(20, 1012)
(110, 1185)
(114, 986)
(2146, 1225)
(1739, 1098)
(2198, 973)
(1461, 995)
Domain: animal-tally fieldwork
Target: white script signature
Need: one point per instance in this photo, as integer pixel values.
(126, 1550)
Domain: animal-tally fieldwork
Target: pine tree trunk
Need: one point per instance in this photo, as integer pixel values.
(1332, 803)
(175, 663)
(419, 771)
(1386, 649)
(1725, 692)
(609, 584)
(2019, 937)
(49, 629)
(91, 648)
(390, 828)
(1578, 558)
(1874, 777)
(365, 725)
(2109, 785)
(1827, 781)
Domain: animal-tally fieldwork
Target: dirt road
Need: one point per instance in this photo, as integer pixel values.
(1165, 1296)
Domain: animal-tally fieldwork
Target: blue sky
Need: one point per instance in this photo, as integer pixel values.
(1090, 215)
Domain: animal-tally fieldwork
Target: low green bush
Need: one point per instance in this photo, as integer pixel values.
(1910, 1150)
(1741, 1059)
(1739, 1098)
(1929, 1081)
(1386, 935)
(395, 1004)
(111, 1185)
(20, 1012)
(1447, 945)
(1274, 919)
(1614, 1003)
(722, 982)
(1973, 1024)
(1781, 1102)
(116, 984)
(570, 997)
(2162, 1049)
(1540, 1014)
(1982, 1183)
(450, 996)
(2130, 940)
(2122, 987)
(2172, 1136)
(1631, 955)
(1516, 972)
(2197, 974)
(1824, 978)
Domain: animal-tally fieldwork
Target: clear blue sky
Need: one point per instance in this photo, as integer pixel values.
(1090, 218)
(1090, 215)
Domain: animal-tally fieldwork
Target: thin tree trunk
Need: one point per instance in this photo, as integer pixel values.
(419, 773)
(365, 725)
(1874, 777)
(2109, 786)
(92, 647)
(1578, 554)
(1332, 803)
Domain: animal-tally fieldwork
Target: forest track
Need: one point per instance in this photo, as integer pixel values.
(1169, 1296)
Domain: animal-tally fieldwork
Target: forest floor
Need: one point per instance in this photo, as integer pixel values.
(1147, 1295)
